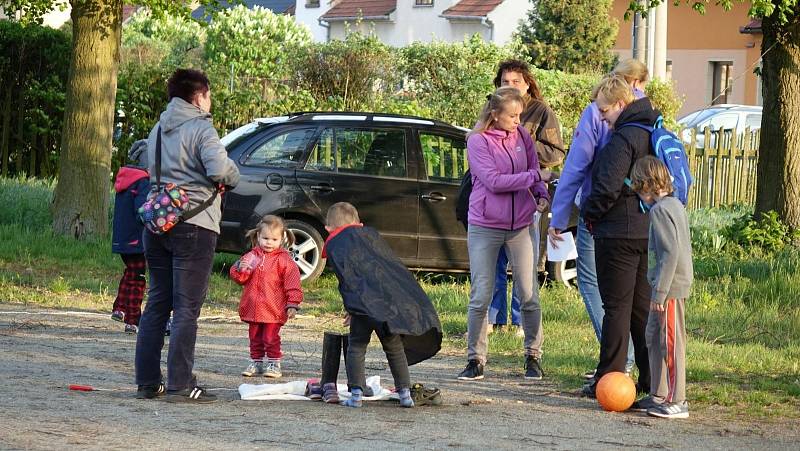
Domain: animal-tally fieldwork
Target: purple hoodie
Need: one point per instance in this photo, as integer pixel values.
(591, 135)
(505, 179)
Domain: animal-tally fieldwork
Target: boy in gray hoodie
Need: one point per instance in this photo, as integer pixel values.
(670, 274)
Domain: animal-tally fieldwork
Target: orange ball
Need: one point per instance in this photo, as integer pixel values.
(615, 392)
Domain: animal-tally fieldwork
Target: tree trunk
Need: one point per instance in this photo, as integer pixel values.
(19, 149)
(6, 133)
(80, 199)
(778, 184)
(32, 162)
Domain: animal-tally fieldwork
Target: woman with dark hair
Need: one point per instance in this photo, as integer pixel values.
(542, 124)
(180, 260)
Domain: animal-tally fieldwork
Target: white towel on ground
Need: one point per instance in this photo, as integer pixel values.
(295, 391)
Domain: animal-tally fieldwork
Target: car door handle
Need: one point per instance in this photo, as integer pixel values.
(323, 188)
(434, 197)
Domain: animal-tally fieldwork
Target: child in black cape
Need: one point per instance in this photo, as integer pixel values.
(380, 295)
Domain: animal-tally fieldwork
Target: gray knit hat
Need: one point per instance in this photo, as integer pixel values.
(138, 153)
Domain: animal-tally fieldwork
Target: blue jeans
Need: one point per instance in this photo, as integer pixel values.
(587, 284)
(498, 310)
(180, 264)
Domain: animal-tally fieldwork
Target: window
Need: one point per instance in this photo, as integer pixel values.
(312, 3)
(424, 3)
(726, 121)
(753, 121)
(668, 73)
(284, 150)
(445, 157)
(721, 81)
(368, 152)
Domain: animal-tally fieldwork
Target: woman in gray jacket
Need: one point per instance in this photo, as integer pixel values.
(180, 260)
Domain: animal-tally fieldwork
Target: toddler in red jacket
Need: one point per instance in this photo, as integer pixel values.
(271, 295)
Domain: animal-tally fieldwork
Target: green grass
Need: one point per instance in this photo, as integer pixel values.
(743, 317)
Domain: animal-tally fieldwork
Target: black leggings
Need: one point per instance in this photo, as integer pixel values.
(360, 334)
(622, 280)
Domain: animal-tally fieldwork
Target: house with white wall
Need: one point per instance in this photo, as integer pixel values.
(401, 22)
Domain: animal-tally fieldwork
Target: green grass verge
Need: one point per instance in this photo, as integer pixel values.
(743, 317)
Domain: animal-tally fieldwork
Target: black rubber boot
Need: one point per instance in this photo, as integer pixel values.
(331, 356)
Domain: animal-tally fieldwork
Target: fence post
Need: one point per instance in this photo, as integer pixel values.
(717, 186)
(706, 163)
(744, 185)
(692, 151)
(731, 169)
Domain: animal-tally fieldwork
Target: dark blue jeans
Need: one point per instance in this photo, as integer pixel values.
(180, 265)
(498, 309)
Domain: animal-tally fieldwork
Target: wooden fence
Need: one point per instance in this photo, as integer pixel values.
(723, 165)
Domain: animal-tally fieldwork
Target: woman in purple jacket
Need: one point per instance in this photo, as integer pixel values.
(508, 188)
(574, 186)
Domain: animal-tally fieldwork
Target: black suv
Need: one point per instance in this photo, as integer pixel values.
(401, 172)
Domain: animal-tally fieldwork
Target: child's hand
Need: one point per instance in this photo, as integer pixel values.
(346, 321)
(247, 262)
(656, 307)
(291, 312)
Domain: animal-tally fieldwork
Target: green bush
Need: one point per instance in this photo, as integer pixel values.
(767, 232)
(666, 100)
(254, 42)
(354, 73)
(568, 95)
(452, 79)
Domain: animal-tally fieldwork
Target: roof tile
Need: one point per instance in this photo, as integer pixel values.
(472, 8)
(361, 8)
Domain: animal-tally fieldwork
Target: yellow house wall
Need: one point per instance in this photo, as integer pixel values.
(694, 41)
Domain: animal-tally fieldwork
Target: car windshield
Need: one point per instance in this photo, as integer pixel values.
(692, 119)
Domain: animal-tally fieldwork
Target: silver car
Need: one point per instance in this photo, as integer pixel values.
(725, 116)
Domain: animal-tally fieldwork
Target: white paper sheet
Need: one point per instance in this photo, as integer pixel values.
(565, 250)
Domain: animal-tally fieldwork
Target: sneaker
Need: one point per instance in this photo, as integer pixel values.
(150, 391)
(196, 395)
(131, 329)
(533, 368)
(644, 404)
(473, 371)
(670, 410)
(273, 368)
(118, 315)
(590, 374)
(519, 331)
(589, 389)
(424, 396)
(330, 394)
(168, 329)
(314, 391)
(256, 368)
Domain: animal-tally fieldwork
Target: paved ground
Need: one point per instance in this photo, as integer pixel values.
(42, 353)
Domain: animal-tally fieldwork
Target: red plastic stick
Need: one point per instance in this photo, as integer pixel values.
(77, 387)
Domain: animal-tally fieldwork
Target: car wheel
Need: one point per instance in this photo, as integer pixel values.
(307, 249)
(563, 272)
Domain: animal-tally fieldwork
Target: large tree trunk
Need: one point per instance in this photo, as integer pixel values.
(778, 185)
(80, 200)
(6, 133)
